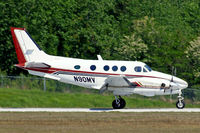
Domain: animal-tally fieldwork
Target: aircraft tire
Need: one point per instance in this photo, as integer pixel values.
(115, 105)
(180, 105)
(121, 105)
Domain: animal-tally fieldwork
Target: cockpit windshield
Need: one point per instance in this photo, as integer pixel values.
(148, 68)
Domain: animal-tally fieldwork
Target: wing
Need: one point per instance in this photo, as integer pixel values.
(116, 81)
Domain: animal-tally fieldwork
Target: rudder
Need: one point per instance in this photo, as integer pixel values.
(20, 55)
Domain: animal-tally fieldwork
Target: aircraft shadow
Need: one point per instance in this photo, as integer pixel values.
(101, 109)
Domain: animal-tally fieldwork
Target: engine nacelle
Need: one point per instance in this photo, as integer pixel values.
(165, 84)
(154, 83)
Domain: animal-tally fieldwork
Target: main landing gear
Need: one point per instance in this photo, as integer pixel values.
(180, 104)
(118, 103)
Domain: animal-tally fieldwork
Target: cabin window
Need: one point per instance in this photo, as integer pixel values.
(138, 68)
(123, 68)
(77, 67)
(93, 67)
(106, 67)
(114, 68)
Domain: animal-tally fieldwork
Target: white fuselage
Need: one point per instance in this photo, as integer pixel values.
(93, 73)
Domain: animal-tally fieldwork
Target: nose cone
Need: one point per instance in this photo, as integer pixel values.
(175, 82)
(183, 84)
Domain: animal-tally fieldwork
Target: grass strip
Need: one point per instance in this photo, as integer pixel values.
(17, 98)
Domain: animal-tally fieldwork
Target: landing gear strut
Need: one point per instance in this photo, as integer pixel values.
(180, 104)
(118, 103)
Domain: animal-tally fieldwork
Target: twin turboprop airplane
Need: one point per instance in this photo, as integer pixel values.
(120, 77)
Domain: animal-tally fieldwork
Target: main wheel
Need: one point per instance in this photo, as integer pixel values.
(180, 104)
(120, 104)
(115, 105)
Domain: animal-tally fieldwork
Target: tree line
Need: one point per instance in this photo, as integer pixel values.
(164, 34)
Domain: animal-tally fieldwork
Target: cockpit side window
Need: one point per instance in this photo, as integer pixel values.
(144, 70)
(138, 68)
(148, 68)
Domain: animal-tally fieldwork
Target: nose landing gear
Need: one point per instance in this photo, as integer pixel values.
(180, 104)
(118, 103)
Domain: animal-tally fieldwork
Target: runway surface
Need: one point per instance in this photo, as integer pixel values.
(97, 110)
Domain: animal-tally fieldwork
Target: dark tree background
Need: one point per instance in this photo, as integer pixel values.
(164, 34)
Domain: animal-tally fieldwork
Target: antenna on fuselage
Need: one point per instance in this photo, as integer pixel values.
(99, 57)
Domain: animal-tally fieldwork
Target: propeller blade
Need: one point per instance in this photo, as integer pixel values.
(172, 80)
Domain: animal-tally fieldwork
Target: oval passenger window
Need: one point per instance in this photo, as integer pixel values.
(123, 68)
(114, 68)
(93, 67)
(77, 67)
(106, 67)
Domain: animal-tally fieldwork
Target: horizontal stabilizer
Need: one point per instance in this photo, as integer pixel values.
(36, 65)
(51, 77)
(44, 75)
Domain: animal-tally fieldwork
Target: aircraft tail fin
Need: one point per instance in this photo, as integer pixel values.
(26, 48)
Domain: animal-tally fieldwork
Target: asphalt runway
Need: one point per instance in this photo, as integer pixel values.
(97, 110)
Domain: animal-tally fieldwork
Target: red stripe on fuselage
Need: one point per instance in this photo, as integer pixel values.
(52, 70)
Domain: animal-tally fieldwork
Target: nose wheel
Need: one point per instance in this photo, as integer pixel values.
(118, 103)
(180, 104)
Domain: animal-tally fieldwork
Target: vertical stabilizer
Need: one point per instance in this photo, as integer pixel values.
(26, 48)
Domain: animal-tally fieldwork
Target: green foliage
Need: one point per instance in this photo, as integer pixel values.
(132, 48)
(161, 30)
(193, 53)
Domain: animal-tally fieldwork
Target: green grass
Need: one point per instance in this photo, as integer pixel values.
(38, 98)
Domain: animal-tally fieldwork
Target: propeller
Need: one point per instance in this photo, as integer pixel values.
(172, 80)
